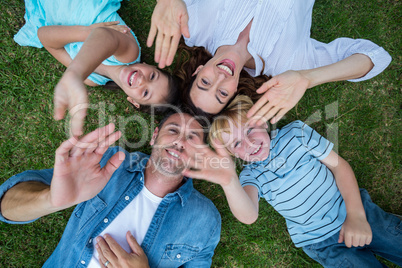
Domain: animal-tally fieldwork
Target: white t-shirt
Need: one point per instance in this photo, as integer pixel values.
(136, 218)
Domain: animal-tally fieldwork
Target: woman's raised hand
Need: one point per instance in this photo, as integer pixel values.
(169, 21)
(281, 93)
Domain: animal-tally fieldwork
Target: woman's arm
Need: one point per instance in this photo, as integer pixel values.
(282, 92)
(356, 231)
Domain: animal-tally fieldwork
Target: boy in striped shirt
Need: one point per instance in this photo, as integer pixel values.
(310, 185)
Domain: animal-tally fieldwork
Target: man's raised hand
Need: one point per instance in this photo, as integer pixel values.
(77, 175)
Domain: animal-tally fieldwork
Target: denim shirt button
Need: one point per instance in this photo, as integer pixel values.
(141, 179)
(127, 198)
(82, 262)
(105, 220)
(178, 256)
(90, 241)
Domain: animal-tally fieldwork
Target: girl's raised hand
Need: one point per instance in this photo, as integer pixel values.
(70, 94)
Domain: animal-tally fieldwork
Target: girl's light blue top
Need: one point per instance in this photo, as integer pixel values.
(40, 13)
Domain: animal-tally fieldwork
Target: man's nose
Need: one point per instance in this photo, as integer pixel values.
(180, 142)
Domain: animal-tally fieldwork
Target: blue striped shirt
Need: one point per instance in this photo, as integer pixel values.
(295, 182)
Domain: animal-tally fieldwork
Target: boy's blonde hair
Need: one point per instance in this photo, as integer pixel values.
(235, 113)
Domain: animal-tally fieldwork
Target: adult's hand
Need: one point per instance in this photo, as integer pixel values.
(281, 93)
(214, 166)
(77, 174)
(169, 21)
(70, 94)
(115, 256)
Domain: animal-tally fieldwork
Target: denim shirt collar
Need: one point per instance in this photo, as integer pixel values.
(138, 163)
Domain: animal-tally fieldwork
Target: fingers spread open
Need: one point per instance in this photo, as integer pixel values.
(158, 46)
(91, 141)
(279, 115)
(184, 26)
(167, 39)
(62, 153)
(109, 140)
(263, 101)
(173, 48)
(151, 34)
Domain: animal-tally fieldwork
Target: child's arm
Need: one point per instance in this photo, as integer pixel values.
(356, 231)
(218, 167)
(70, 92)
(55, 37)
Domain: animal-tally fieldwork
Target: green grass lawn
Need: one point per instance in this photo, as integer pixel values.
(363, 119)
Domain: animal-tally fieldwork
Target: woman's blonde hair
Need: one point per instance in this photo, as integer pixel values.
(235, 113)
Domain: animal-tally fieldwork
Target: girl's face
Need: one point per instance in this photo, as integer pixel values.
(144, 84)
(215, 84)
(249, 143)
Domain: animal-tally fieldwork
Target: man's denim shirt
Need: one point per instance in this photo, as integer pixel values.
(184, 230)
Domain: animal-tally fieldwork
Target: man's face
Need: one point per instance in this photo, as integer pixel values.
(175, 142)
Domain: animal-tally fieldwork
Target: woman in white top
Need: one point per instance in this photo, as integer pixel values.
(263, 37)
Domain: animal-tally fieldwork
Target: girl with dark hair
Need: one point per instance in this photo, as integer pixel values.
(96, 46)
(262, 37)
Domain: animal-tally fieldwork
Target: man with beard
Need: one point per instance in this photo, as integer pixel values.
(123, 200)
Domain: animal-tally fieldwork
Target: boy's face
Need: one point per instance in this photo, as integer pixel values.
(249, 143)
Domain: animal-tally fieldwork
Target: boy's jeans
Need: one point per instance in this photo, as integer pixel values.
(386, 242)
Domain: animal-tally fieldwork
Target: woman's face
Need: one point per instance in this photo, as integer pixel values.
(144, 84)
(215, 84)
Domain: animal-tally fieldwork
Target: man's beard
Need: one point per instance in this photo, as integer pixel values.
(165, 165)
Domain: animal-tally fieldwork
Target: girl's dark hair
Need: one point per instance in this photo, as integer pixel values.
(172, 98)
(189, 58)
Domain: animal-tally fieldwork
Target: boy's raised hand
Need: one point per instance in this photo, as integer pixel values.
(355, 231)
(214, 166)
(77, 174)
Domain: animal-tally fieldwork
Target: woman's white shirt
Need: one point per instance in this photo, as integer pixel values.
(280, 35)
